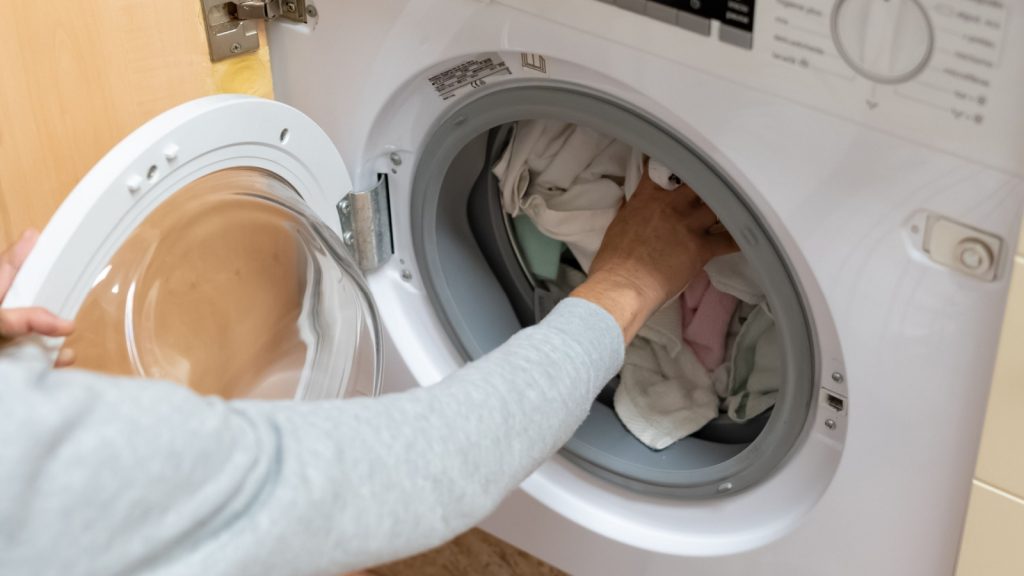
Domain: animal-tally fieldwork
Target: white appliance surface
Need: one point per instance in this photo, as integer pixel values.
(843, 169)
(844, 150)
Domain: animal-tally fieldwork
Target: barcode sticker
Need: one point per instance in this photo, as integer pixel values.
(468, 75)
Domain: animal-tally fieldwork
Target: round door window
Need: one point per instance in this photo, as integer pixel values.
(234, 288)
(758, 393)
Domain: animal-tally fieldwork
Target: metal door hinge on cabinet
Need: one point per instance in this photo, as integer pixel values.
(231, 26)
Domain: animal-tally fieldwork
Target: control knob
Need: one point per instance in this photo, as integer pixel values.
(886, 41)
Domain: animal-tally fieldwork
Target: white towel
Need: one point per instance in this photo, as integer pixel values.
(665, 393)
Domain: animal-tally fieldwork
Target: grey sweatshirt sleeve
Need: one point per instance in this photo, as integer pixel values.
(102, 475)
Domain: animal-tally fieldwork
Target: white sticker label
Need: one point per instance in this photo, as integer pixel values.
(469, 75)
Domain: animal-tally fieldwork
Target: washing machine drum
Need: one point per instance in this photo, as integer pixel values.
(475, 274)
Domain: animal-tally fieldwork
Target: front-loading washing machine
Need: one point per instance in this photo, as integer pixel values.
(866, 155)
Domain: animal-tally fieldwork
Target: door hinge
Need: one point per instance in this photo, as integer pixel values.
(231, 26)
(366, 225)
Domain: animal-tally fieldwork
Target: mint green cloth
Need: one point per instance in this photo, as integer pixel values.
(540, 253)
(756, 367)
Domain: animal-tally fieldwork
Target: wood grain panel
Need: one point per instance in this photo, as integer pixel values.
(75, 80)
(474, 553)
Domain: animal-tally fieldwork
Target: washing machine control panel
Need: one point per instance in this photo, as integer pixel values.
(886, 41)
(948, 74)
(735, 18)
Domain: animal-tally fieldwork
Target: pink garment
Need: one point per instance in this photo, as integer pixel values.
(706, 315)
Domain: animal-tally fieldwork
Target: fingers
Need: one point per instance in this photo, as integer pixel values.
(646, 184)
(23, 247)
(16, 254)
(683, 198)
(701, 218)
(12, 259)
(65, 358)
(719, 245)
(7, 274)
(25, 321)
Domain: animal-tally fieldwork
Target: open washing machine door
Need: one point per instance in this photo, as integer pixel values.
(206, 249)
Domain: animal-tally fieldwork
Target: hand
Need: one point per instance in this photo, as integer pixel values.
(658, 242)
(20, 322)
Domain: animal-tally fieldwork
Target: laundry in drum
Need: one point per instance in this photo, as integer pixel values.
(541, 253)
(710, 355)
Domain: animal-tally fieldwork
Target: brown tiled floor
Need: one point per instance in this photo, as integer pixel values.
(475, 553)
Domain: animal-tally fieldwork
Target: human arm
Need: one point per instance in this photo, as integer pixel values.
(103, 475)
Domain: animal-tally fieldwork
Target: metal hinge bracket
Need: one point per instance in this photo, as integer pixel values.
(231, 26)
(366, 225)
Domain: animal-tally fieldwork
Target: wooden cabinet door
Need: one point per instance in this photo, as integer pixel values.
(77, 78)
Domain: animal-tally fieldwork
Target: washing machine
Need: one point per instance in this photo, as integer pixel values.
(866, 155)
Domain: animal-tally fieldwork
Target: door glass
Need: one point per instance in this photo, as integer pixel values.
(233, 288)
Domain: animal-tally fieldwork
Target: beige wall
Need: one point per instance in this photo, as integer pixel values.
(993, 541)
(75, 79)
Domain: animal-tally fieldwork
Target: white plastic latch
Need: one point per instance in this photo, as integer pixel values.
(962, 247)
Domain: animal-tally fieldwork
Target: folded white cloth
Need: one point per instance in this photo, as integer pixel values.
(570, 180)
